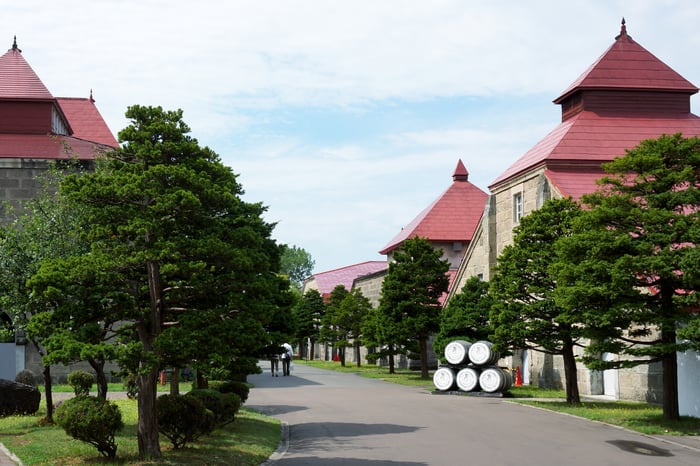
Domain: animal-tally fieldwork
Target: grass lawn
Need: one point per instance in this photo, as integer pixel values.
(640, 417)
(250, 440)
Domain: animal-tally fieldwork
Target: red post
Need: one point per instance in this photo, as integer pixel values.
(162, 377)
(518, 377)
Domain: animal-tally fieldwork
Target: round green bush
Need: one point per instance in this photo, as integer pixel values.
(212, 400)
(91, 420)
(81, 382)
(239, 388)
(182, 418)
(231, 403)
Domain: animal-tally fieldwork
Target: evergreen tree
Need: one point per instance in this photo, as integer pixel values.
(632, 266)
(308, 313)
(524, 313)
(466, 316)
(411, 291)
(198, 262)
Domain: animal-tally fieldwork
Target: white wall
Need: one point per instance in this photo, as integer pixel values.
(688, 386)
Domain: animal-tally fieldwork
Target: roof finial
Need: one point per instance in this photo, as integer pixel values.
(623, 30)
(14, 46)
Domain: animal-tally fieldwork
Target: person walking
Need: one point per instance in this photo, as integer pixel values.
(286, 358)
(274, 364)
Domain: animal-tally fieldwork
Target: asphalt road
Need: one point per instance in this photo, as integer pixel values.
(344, 419)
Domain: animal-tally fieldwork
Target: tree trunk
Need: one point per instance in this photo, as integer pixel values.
(424, 358)
(149, 446)
(48, 394)
(570, 374)
(391, 359)
(357, 354)
(99, 368)
(341, 354)
(670, 379)
(175, 381)
(311, 350)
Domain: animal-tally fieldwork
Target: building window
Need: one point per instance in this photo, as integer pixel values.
(517, 207)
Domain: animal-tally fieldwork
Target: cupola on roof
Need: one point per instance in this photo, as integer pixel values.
(451, 217)
(628, 65)
(626, 96)
(19, 81)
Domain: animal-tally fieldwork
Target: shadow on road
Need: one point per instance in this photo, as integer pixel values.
(275, 410)
(351, 429)
(314, 461)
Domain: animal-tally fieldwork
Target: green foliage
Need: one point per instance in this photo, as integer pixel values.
(525, 313)
(91, 420)
(309, 311)
(297, 264)
(26, 377)
(81, 382)
(213, 400)
(239, 388)
(466, 316)
(182, 419)
(632, 266)
(410, 303)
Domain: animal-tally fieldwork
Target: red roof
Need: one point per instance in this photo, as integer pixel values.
(19, 81)
(44, 146)
(345, 276)
(86, 121)
(628, 65)
(594, 138)
(574, 150)
(451, 217)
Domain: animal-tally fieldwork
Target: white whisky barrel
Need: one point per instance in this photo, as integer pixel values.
(468, 379)
(457, 352)
(444, 378)
(481, 354)
(495, 379)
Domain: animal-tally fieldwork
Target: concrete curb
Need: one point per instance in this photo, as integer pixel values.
(7, 458)
(282, 448)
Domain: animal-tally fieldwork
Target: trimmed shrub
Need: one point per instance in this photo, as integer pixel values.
(212, 400)
(26, 377)
(91, 420)
(182, 418)
(81, 382)
(231, 403)
(239, 388)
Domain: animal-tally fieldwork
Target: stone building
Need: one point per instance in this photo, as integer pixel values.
(36, 128)
(624, 97)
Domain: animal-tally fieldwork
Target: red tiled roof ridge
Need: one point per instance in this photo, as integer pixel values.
(640, 70)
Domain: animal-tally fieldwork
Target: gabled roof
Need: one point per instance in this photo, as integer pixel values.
(20, 82)
(451, 217)
(326, 281)
(86, 121)
(628, 65)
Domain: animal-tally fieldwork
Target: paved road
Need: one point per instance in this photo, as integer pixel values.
(344, 419)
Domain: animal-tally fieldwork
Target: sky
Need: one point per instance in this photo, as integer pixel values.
(345, 118)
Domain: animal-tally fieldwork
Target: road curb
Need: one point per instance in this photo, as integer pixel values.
(282, 448)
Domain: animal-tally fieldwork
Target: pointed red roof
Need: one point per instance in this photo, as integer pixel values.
(627, 95)
(628, 65)
(19, 81)
(451, 217)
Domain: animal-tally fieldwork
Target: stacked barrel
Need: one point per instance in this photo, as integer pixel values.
(472, 368)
